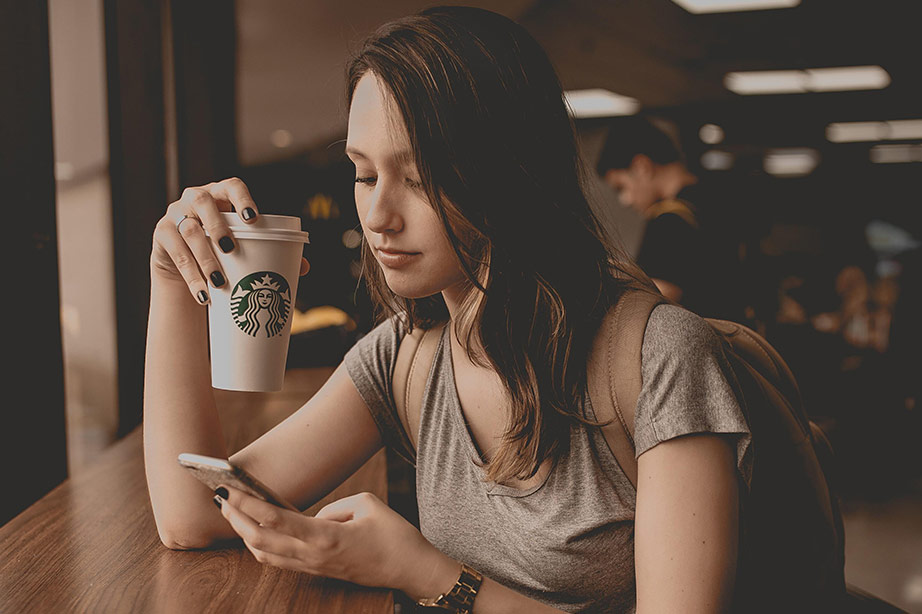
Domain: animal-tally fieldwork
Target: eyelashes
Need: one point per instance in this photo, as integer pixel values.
(369, 181)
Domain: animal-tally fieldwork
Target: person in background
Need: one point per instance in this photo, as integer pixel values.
(689, 260)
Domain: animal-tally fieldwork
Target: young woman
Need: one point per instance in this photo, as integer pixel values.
(469, 194)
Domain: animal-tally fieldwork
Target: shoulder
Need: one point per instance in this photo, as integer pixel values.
(676, 333)
(392, 329)
(376, 351)
(683, 361)
(375, 355)
(370, 364)
(688, 382)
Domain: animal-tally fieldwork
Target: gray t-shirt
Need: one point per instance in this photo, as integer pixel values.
(569, 541)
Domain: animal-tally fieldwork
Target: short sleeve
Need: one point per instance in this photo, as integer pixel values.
(370, 364)
(688, 386)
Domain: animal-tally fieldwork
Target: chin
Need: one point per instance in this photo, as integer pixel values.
(409, 287)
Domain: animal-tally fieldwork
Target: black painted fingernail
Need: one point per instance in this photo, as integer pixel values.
(248, 214)
(202, 297)
(226, 243)
(217, 279)
(217, 501)
(221, 492)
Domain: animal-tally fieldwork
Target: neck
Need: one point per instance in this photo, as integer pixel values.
(674, 177)
(454, 297)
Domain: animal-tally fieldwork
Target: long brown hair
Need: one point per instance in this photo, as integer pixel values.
(496, 153)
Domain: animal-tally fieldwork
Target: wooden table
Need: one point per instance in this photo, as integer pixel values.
(90, 545)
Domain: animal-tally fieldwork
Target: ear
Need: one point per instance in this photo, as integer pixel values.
(642, 166)
(610, 176)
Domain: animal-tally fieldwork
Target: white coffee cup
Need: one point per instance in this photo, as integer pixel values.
(249, 317)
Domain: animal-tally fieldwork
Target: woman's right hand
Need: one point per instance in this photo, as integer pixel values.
(183, 251)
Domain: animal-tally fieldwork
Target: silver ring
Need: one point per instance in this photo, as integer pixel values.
(183, 219)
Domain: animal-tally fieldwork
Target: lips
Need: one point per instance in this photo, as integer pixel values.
(394, 258)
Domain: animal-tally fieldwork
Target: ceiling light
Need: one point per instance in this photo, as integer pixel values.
(854, 132)
(895, 154)
(810, 80)
(888, 239)
(599, 103)
(727, 6)
(903, 129)
(715, 160)
(767, 82)
(795, 162)
(711, 134)
(848, 78)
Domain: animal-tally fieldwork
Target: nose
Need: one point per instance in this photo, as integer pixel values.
(384, 213)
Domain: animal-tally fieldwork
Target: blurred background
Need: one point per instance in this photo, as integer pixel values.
(111, 107)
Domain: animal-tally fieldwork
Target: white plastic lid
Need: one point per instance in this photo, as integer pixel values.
(267, 226)
(272, 234)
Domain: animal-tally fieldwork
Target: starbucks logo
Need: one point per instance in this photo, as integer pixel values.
(260, 304)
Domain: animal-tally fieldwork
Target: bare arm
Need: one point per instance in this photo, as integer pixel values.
(179, 416)
(686, 526)
(302, 458)
(315, 449)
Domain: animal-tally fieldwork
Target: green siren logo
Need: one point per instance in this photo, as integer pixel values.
(261, 302)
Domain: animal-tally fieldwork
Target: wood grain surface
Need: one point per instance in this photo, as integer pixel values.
(90, 545)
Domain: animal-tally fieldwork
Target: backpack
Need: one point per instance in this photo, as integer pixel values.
(792, 536)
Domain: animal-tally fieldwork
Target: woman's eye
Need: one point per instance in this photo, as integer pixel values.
(366, 180)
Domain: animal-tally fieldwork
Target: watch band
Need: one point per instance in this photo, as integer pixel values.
(460, 599)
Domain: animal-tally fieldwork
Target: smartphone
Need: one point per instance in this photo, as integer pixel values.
(216, 471)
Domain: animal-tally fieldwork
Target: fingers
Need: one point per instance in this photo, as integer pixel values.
(338, 511)
(266, 514)
(280, 537)
(349, 508)
(193, 230)
(316, 532)
(235, 192)
(261, 540)
(207, 208)
(170, 240)
(194, 236)
(305, 267)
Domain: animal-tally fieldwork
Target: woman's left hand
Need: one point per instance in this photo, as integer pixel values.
(358, 539)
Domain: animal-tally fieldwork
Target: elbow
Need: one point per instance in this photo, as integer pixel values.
(178, 540)
(181, 544)
(184, 536)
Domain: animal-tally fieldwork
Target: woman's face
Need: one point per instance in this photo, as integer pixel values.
(402, 229)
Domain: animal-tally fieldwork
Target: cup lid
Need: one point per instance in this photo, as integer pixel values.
(265, 220)
(272, 234)
(267, 226)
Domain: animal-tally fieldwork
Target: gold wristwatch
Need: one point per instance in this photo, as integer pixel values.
(460, 599)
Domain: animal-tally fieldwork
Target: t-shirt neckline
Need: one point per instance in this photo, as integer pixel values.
(491, 488)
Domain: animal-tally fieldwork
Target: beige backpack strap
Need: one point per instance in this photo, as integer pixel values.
(414, 360)
(614, 373)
